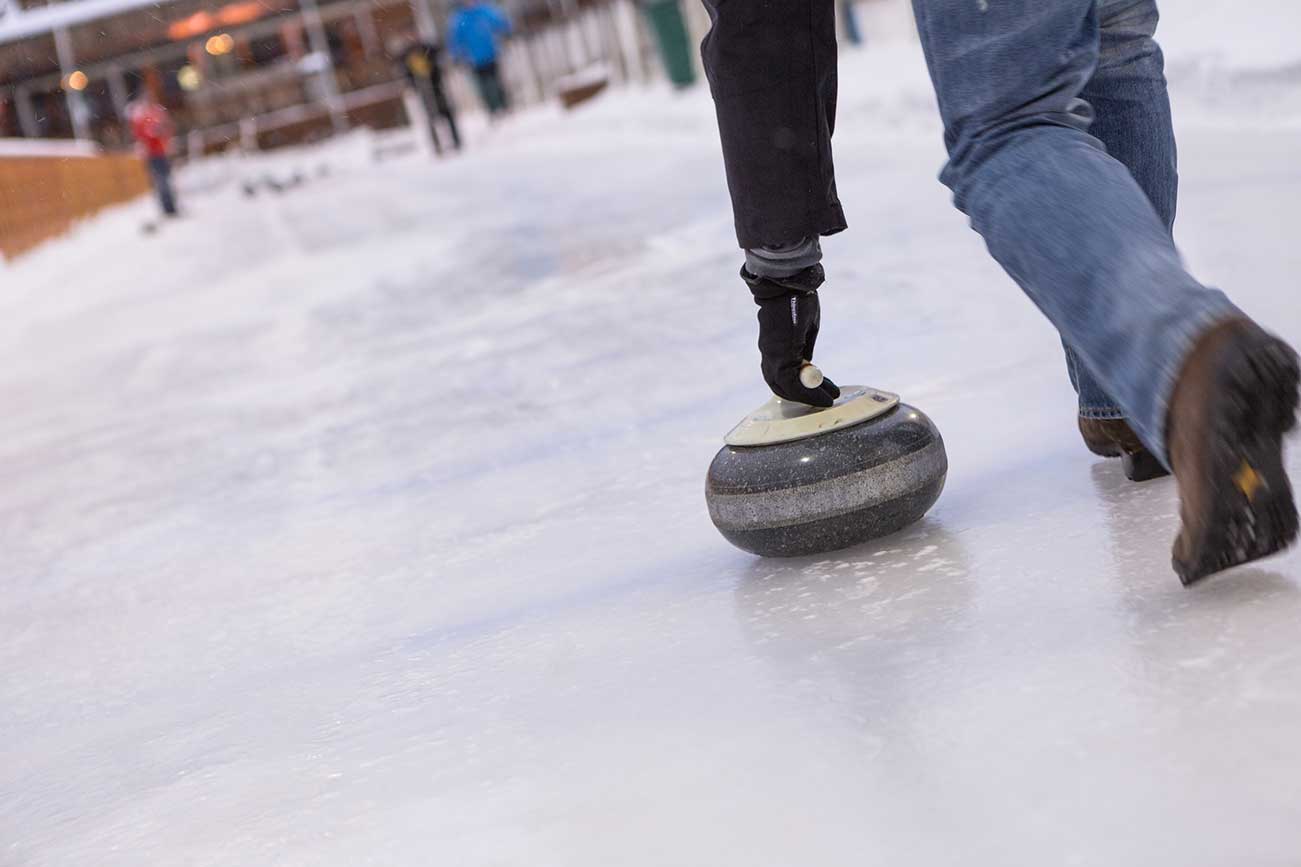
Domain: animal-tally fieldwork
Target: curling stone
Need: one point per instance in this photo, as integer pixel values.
(794, 479)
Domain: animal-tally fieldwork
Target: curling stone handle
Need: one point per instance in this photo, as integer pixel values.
(810, 376)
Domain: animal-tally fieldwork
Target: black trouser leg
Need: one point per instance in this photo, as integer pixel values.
(772, 70)
(483, 83)
(503, 101)
(494, 96)
(429, 99)
(445, 109)
(451, 127)
(493, 72)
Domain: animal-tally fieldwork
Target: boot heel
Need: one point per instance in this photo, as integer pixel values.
(1142, 467)
(1242, 508)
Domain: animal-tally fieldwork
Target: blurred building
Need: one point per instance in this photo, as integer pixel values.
(261, 73)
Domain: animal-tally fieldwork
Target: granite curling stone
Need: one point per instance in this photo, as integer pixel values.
(795, 480)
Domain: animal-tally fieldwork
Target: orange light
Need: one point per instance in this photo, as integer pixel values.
(199, 22)
(76, 80)
(202, 22)
(220, 44)
(240, 13)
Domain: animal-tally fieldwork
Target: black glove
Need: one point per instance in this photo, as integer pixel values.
(789, 316)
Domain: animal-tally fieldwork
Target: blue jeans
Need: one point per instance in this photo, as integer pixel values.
(1060, 148)
(160, 172)
(1132, 120)
(1061, 152)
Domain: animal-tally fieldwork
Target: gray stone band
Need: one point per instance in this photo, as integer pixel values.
(785, 261)
(826, 499)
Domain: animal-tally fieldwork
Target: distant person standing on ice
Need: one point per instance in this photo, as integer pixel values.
(1061, 151)
(475, 30)
(151, 126)
(420, 64)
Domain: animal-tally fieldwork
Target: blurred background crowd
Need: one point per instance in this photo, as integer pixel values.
(101, 99)
(268, 73)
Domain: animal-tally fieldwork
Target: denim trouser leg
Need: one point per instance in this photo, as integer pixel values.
(1067, 221)
(160, 172)
(1132, 119)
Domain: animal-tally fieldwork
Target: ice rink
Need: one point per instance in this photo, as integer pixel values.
(365, 524)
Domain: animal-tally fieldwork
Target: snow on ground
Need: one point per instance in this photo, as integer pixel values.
(22, 147)
(365, 525)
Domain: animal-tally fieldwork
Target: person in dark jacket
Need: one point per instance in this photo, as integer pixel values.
(1062, 152)
(420, 64)
(475, 30)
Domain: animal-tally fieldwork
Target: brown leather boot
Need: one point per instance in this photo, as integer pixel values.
(1114, 438)
(1235, 398)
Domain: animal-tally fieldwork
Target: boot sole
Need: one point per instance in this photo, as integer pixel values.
(1253, 513)
(1103, 448)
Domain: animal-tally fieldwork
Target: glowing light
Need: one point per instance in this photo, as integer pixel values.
(189, 78)
(220, 44)
(76, 80)
(201, 22)
(192, 26)
(240, 13)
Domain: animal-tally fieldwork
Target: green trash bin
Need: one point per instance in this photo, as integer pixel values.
(666, 20)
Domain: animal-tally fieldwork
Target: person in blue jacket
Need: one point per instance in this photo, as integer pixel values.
(475, 29)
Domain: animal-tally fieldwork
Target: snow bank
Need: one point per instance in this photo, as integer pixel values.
(46, 147)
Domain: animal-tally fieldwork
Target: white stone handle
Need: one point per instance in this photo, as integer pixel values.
(810, 376)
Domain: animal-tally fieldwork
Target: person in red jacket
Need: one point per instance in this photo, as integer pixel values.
(152, 128)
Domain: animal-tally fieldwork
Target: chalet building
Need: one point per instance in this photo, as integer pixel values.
(263, 73)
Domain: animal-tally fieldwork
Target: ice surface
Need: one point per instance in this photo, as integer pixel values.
(365, 525)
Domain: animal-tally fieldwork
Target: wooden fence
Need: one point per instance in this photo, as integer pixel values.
(42, 196)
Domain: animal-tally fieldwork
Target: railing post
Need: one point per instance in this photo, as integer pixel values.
(76, 99)
(26, 116)
(321, 47)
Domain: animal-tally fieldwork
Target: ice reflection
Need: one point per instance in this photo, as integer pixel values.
(872, 630)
